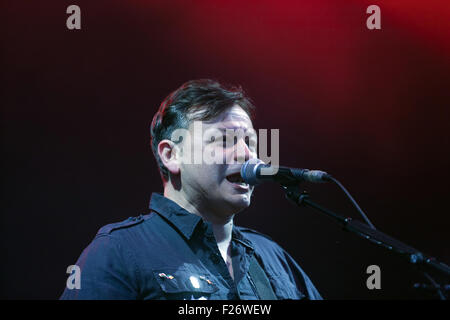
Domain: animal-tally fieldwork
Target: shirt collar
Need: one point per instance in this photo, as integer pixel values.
(185, 221)
(180, 218)
(238, 236)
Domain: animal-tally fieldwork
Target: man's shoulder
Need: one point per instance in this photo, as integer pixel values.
(257, 237)
(128, 223)
(252, 232)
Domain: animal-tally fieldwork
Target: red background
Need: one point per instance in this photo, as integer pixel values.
(370, 107)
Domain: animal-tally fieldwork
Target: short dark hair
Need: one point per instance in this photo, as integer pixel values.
(208, 96)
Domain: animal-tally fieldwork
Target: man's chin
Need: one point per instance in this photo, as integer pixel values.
(239, 202)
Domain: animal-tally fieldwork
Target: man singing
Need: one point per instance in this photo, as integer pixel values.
(188, 247)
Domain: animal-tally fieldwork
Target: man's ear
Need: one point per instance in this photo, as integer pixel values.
(168, 153)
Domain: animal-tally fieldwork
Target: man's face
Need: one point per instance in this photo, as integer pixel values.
(225, 143)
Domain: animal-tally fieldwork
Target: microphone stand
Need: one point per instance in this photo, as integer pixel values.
(412, 255)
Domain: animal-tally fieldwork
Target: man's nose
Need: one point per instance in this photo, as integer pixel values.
(242, 152)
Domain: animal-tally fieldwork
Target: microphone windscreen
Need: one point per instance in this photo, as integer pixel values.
(249, 171)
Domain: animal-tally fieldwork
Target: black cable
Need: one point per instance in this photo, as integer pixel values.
(353, 201)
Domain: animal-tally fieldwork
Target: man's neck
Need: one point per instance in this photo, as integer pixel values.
(222, 226)
(223, 233)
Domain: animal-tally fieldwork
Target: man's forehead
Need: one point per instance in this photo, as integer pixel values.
(235, 116)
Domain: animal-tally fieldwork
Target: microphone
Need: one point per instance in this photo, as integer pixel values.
(255, 171)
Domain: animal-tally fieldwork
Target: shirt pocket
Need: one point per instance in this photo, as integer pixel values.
(184, 284)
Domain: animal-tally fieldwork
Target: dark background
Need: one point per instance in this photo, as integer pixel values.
(370, 107)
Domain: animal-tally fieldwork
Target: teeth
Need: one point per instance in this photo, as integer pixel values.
(237, 179)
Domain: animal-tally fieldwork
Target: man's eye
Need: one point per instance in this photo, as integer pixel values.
(226, 140)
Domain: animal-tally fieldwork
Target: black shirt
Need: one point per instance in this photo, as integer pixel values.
(172, 254)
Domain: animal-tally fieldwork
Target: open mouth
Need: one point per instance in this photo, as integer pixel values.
(237, 179)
